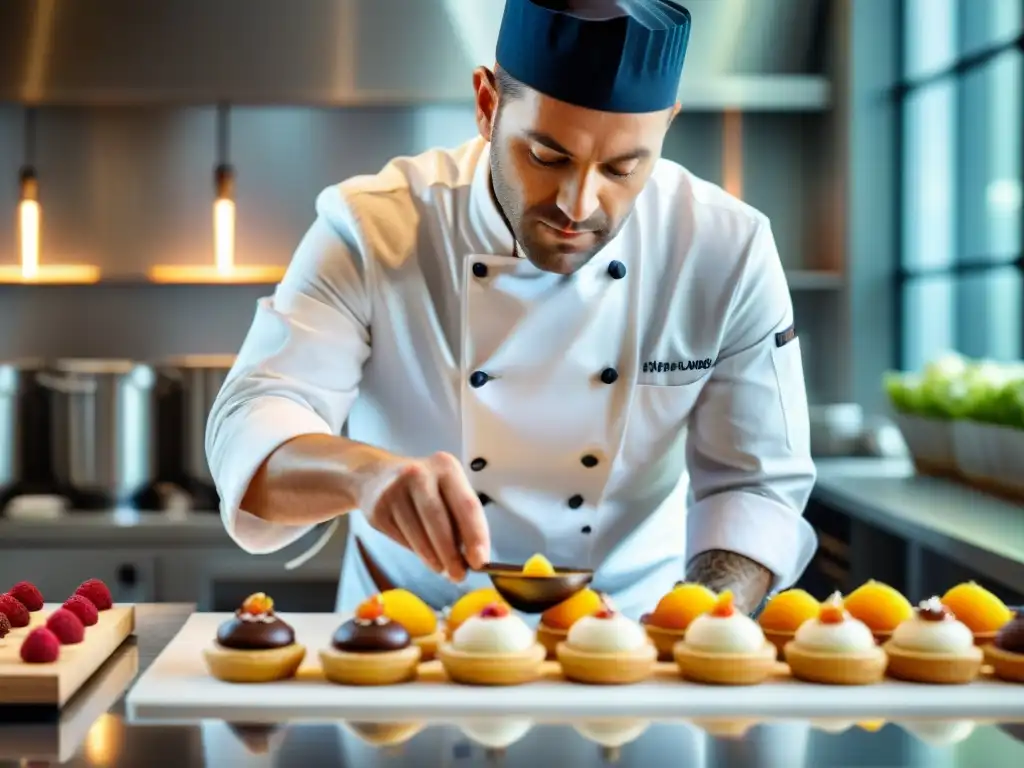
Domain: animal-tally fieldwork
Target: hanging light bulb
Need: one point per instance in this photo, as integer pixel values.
(29, 220)
(224, 220)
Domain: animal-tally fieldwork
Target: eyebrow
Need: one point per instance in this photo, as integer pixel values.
(542, 138)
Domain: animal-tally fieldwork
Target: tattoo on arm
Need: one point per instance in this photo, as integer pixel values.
(720, 570)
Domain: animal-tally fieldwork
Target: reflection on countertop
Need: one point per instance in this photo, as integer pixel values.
(92, 731)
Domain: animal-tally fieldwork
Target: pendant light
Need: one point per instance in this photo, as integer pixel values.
(30, 220)
(224, 269)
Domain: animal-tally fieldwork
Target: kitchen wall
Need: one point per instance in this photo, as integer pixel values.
(126, 188)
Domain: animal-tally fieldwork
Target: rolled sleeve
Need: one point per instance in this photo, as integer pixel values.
(298, 371)
(749, 443)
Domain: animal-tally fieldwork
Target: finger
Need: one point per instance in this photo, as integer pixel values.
(468, 515)
(409, 524)
(436, 520)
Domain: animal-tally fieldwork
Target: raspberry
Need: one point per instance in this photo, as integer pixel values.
(15, 611)
(28, 595)
(83, 608)
(40, 647)
(5, 626)
(97, 592)
(68, 628)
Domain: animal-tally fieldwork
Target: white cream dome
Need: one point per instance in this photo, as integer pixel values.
(504, 634)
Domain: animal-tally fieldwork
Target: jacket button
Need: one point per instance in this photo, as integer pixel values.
(576, 502)
(608, 376)
(484, 499)
(589, 461)
(477, 464)
(477, 379)
(586, 529)
(617, 270)
(480, 269)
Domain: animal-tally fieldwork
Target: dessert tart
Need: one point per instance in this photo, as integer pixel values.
(383, 734)
(835, 649)
(495, 647)
(418, 618)
(880, 607)
(469, 605)
(667, 623)
(933, 647)
(982, 612)
(783, 615)
(254, 646)
(725, 647)
(555, 622)
(607, 649)
(1006, 653)
(495, 732)
(370, 649)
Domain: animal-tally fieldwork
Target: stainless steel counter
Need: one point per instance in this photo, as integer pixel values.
(93, 732)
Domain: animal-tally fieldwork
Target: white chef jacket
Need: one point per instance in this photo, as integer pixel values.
(645, 409)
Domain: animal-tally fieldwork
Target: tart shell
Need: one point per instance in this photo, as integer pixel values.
(263, 666)
(384, 668)
(664, 639)
(938, 668)
(550, 637)
(1006, 665)
(492, 669)
(622, 668)
(865, 668)
(725, 668)
(428, 644)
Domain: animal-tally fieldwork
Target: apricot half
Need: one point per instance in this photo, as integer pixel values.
(681, 606)
(407, 609)
(586, 602)
(788, 610)
(878, 605)
(976, 607)
(470, 605)
(538, 565)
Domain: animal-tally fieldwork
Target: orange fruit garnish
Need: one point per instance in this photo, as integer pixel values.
(788, 610)
(258, 604)
(470, 605)
(723, 607)
(879, 606)
(586, 602)
(832, 611)
(976, 607)
(404, 607)
(681, 606)
(370, 610)
(538, 565)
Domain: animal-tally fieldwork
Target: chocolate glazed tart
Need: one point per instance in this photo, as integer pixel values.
(370, 652)
(1006, 654)
(254, 648)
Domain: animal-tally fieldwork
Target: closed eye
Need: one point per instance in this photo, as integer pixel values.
(548, 162)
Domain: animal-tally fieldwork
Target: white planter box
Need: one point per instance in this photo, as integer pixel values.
(930, 442)
(990, 454)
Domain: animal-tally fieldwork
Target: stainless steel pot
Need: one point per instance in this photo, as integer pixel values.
(103, 416)
(198, 378)
(22, 421)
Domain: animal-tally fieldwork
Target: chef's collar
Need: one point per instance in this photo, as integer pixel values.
(486, 221)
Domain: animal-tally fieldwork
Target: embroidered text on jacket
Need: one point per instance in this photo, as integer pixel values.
(687, 365)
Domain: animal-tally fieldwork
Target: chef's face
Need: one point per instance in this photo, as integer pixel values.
(566, 178)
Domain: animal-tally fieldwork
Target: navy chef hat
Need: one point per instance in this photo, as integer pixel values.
(608, 55)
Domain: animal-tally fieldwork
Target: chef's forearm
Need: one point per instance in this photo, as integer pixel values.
(314, 478)
(720, 570)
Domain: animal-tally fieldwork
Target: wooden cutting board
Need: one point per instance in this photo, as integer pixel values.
(53, 684)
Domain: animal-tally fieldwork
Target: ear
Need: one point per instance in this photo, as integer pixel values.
(486, 91)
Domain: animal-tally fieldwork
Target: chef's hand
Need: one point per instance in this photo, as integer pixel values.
(428, 506)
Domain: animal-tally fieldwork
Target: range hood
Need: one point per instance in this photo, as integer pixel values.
(743, 53)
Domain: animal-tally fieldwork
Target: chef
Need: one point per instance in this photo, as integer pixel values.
(546, 340)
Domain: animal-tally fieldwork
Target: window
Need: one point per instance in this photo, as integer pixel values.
(961, 106)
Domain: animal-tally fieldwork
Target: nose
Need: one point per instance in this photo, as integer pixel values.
(578, 196)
